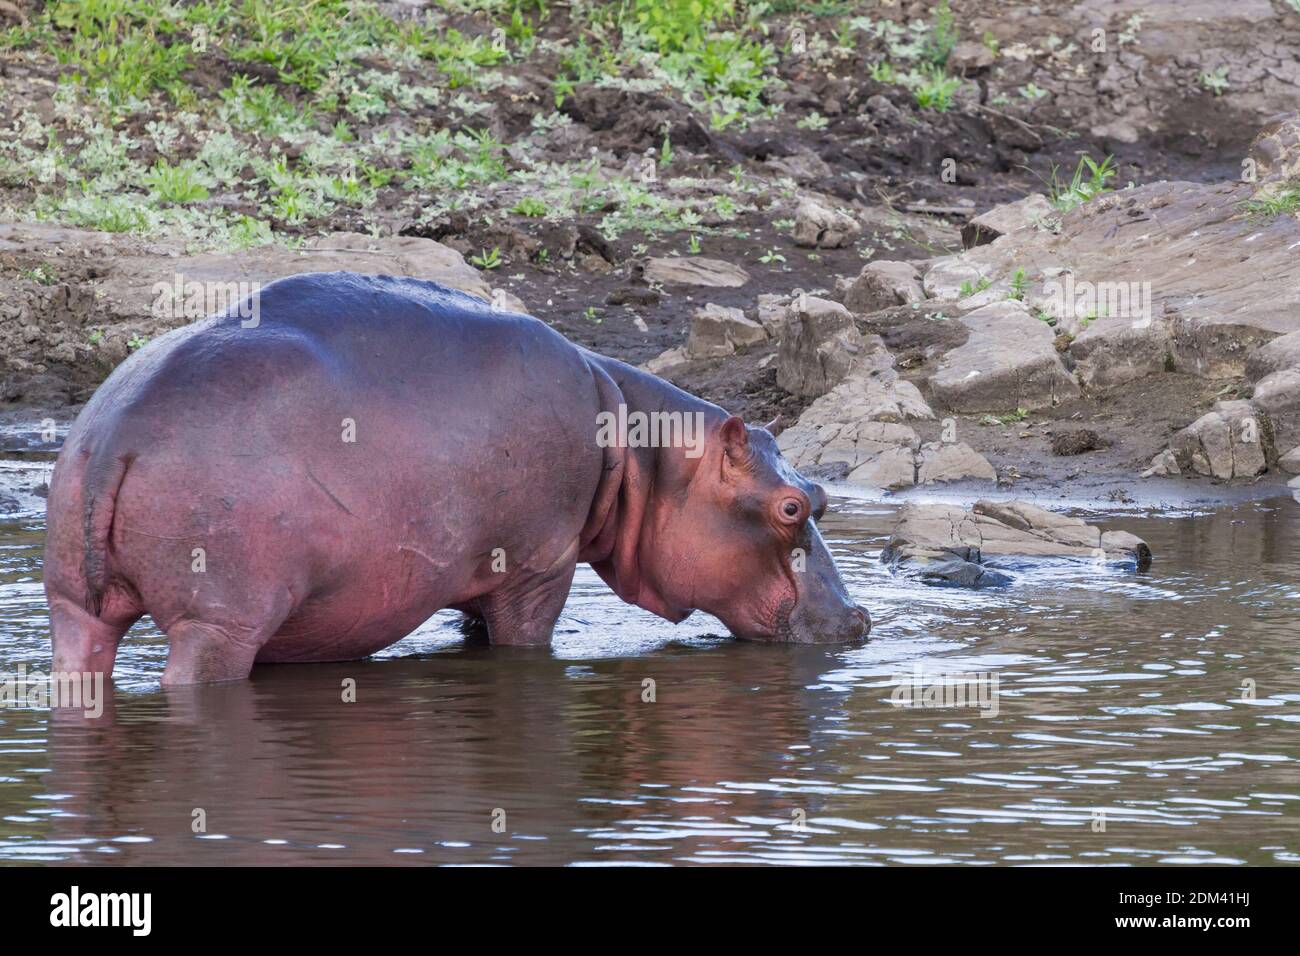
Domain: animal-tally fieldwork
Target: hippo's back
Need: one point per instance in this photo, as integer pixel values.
(382, 342)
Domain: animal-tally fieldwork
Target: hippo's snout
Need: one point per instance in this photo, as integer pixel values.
(864, 622)
(823, 612)
(829, 623)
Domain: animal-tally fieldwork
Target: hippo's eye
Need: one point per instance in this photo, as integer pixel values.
(790, 510)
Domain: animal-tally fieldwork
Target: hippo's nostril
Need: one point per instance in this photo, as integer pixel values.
(863, 618)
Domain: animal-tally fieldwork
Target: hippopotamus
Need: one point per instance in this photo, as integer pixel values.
(314, 485)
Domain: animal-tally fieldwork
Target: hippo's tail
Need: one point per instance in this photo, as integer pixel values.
(99, 493)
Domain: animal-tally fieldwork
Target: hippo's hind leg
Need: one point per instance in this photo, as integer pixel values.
(203, 652)
(215, 648)
(84, 643)
(524, 611)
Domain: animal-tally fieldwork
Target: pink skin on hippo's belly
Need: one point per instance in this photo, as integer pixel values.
(377, 449)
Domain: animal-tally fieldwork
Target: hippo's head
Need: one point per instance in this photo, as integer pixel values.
(741, 543)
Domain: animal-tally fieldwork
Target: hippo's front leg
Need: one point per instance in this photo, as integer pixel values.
(524, 610)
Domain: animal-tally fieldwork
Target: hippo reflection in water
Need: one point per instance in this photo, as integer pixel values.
(377, 449)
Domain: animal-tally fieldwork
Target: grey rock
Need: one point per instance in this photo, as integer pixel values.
(696, 270)
(1008, 362)
(666, 361)
(948, 462)
(1290, 462)
(881, 285)
(819, 344)
(1174, 251)
(1225, 443)
(861, 424)
(1163, 465)
(718, 330)
(1277, 398)
(1275, 355)
(970, 57)
(818, 224)
(1031, 212)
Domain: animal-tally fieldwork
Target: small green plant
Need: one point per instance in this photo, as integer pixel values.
(1019, 415)
(96, 337)
(771, 256)
(1031, 91)
(991, 42)
(592, 315)
(693, 245)
(933, 89)
(1081, 189)
(175, 184)
(1019, 281)
(41, 275)
(488, 260)
(677, 24)
(137, 341)
(969, 288)
(1216, 82)
(884, 72)
(1278, 202)
(530, 206)
(942, 36)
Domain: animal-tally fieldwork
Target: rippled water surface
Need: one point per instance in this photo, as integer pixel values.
(1140, 718)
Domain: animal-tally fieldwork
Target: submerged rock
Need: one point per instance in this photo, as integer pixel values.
(948, 545)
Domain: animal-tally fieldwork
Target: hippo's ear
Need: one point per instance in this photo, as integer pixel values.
(735, 439)
(775, 426)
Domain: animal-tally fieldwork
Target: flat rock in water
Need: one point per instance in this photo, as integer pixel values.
(948, 545)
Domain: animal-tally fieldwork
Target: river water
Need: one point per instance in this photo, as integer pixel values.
(1130, 718)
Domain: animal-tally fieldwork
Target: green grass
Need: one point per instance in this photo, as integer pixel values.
(932, 88)
(235, 122)
(530, 206)
(1019, 282)
(176, 184)
(677, 25)
(942, 36)
(1088, 182)
(1268, 204)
